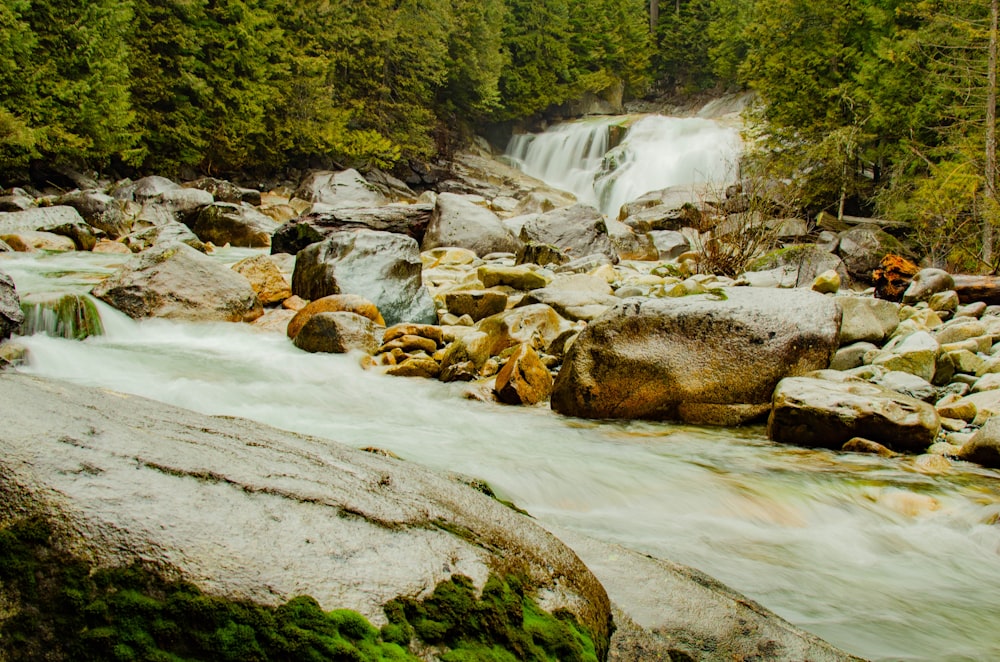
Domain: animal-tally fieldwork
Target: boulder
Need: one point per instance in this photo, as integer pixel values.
(17, 200)
(698, 358)
(804, 261)
(27, 241)
(926, 283)
(458, 221)
(578, 231)
(143, 189)
(334, 303)
(915, 353)
(862, 249)
(524, 379)
(984, 447)
(383, 267)
(223, 191)
(265, 278)
(254, 513)
(175, 281)
(238, 225)
(866, 319)
(338, 333)
(670, 244)
(409, 219)
(629, 244)
(99, 210)
(10, 307)
(170, 232)
(575, 297)
(813, 412)
(477, 304)
(521, 277)
(346, 188)
(183, 203)
(39, 218)
(292, 236)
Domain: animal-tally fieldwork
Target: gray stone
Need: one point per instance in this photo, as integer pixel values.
(338, 333)
(867, 319)
(163, 234)
(666, 358)
(915, 353)
(223, 191)
(383, 267)
(926, 283)
(238, 225)
(827, 414)
(851, 356)
(670, 244)
(629, 244)
(10, 307)
(805, 261)
(907, 384)
(346, 188)
(175, 281)
(256, 513)
(578, 230)
(862, 249)
(99, 210)
(458, 221)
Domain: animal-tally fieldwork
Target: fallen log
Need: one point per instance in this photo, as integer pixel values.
(977, 288)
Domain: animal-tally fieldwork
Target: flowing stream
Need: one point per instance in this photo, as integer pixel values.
(608, 161)
(868, 553)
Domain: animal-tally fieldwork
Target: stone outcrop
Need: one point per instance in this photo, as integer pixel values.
(100, 211)
(10, 307)
(826, 413)
(458, 221)
(578, 231)
(346, 188)
(704, 358)
(255, 513)
(383, 267)
(175, 281)
(238, 225)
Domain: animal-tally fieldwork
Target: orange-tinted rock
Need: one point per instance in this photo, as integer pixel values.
(893, 277)
(335, 303)
(524, 380)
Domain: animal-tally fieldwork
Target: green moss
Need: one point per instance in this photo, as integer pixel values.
(503, 624)
(71, 316)
(68, 610)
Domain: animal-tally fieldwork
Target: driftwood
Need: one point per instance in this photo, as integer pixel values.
(977, 288)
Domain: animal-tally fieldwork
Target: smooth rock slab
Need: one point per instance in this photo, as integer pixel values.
(646, 357)
(821, 413)
(175, 281)
(252, 512)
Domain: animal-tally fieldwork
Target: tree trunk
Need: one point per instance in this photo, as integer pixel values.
(991, 139)
(654, 15)
(977, 288)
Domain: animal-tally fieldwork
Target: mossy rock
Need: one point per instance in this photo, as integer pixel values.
(71, 316)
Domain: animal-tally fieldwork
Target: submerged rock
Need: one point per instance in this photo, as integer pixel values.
(174, 280)
(250, 512)
(704, 358)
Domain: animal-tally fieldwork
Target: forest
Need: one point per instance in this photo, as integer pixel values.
(876, 107)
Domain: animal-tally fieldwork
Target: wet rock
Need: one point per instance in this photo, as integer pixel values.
(409, 219)
(10, 307)
(295, 235)
(477, 304)
(524, 379)
(70, 316)
(171, 232)
(822, 413)
(867, 319)
(256, 513)
(99, 210)
(27, 241)
(112, 247)
(578, 231)
(274, 321)
(984, 446)
(423, 367)
(383, 267)
(860, 445)
(5, 247)
(175, 281)
(338, 333)
(651, 358)
(458, 221)
(346, 188)
(265, 278)
(238, 225)
(335, 303)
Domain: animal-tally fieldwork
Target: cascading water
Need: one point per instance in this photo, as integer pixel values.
(867, 552)
(656, 152)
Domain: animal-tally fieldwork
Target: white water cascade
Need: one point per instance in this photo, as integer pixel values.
(656, 152)
(869, 553)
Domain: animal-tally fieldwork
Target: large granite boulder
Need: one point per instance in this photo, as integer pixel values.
(862, 249)
(259, 514)
(322, 221)
(175, 281)
(10, 307)
(339, 333)
(712, 358)
(383, 267)
(458, 221)
(61, 220)
(238, 225)
(578, 231)
(347, 188)
(99, 210)
(804, 261)
(827, 413)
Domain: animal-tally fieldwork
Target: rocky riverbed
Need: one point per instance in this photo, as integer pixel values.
(495, 280)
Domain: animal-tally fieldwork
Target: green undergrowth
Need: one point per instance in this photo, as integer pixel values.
(54, 606)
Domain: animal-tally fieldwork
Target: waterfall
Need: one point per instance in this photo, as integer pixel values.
(656, 152)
